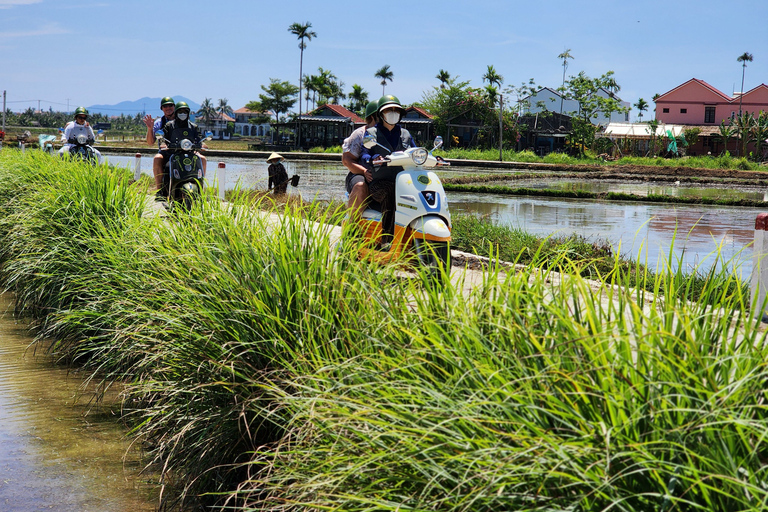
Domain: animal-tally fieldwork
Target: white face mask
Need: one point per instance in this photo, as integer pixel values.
(392, 117)
(182, 116)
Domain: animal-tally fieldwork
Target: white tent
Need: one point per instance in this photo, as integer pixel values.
(640, 130)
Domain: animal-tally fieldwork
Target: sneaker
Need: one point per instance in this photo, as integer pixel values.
(161, 195)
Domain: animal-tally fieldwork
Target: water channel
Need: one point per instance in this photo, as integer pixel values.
(639, 230)
(58, 452)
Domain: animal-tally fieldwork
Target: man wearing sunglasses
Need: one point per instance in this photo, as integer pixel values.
(77, 127)
(168, 106)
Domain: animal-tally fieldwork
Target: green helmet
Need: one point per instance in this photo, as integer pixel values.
(182, 105)
(371, 108)
(81, 111)
(390, 101)
(167, 101)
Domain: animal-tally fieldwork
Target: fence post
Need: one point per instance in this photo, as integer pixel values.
(137, 168)
(221, 179)
(760, 266)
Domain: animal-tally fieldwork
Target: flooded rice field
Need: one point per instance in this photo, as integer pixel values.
(58, 451)
(641, 230)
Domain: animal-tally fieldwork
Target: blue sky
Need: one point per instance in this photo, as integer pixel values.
(103, 52)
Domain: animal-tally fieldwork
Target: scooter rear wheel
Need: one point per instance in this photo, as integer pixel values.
(435, 257)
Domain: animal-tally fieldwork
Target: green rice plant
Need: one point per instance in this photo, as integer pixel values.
(528, 397)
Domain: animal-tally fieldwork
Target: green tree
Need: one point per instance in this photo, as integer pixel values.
(726, 132)
(744, 124)
(384, 74)
(279, 96)
(492, 77)
(565, 56)
(641, 107)
(206, 112)
(224, 108)
(443, 76)
(653, 125)
(302, 32)
(585, 90)
(743, 58)
(760, 134)
(358, 98)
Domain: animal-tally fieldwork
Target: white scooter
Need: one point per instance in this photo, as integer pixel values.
(422, 220)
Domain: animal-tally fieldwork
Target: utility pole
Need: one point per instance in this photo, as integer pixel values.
(38, 105)
(501, 107)
(3, 110)
(67, 105)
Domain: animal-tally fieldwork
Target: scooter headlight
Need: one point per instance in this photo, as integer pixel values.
(186, 144)
(81, 139)
(419, 156)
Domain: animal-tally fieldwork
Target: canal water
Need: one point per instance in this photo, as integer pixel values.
(58, 451)
(641, 230)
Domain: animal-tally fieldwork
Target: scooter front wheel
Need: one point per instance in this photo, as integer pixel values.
(433, 256)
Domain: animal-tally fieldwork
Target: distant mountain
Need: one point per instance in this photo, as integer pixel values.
(148, 105)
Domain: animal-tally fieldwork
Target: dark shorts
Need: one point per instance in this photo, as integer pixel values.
(352, 179)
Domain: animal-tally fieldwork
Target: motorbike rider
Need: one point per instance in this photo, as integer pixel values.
(168, 106)
(359, 176)
(181, 128)
(390, 137)
(77, 127)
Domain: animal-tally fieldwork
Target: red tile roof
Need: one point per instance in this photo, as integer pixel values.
(421, 111)
(340, 111)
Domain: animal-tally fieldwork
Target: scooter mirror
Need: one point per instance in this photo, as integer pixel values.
(208, 135)
(438, 142)
(369, 141)
(160, 134)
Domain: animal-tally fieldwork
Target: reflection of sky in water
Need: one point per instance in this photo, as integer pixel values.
(644, 230)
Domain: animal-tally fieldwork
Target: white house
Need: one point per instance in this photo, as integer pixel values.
(243, 126)
(546, 99)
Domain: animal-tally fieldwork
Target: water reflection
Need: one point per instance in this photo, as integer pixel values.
(58, 453)
(643, 230)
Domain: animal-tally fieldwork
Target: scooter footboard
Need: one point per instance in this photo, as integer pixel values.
(431, 227)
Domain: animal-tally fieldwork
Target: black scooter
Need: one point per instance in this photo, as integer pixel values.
(185, 171)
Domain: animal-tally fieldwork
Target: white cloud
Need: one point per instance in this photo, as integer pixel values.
(46, 30)
(8, 4)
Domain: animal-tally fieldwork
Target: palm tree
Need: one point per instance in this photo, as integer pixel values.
(357, 98)
(492, 77)
(760, 134)
(224, 108)
(384, 74)
(745, 124)
(641, 106)
(207, 112)
(443, 76)
(565, 56)
(743, 58)
(301, 32)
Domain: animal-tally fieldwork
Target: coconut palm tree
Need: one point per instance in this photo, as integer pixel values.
(641, 107)
(357, 98)
(492, 77)
(207, 112)
(743, 58)
(565, 56)
(443, 76)
(224, 108)
(384, 74)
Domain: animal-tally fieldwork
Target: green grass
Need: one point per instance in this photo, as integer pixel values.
(265, 369)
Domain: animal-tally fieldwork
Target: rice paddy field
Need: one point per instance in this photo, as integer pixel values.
(265, 369)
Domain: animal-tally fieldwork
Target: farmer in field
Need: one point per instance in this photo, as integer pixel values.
(278, 176)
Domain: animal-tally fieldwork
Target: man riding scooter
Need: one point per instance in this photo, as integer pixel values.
(78, 127)
(177, 129)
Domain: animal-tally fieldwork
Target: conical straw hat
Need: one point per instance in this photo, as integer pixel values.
(273, 156)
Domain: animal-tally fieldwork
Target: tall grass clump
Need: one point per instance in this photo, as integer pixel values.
(525, 396)
(265, 368)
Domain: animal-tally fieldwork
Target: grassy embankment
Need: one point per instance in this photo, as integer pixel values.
(263, 367)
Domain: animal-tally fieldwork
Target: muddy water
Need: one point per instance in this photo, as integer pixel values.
(57, 451)
(641, 230)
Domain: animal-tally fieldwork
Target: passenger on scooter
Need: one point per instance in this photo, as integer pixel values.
(390, 137)
(77, 127)
(359, 176)
(177, 129)
(168, 106)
